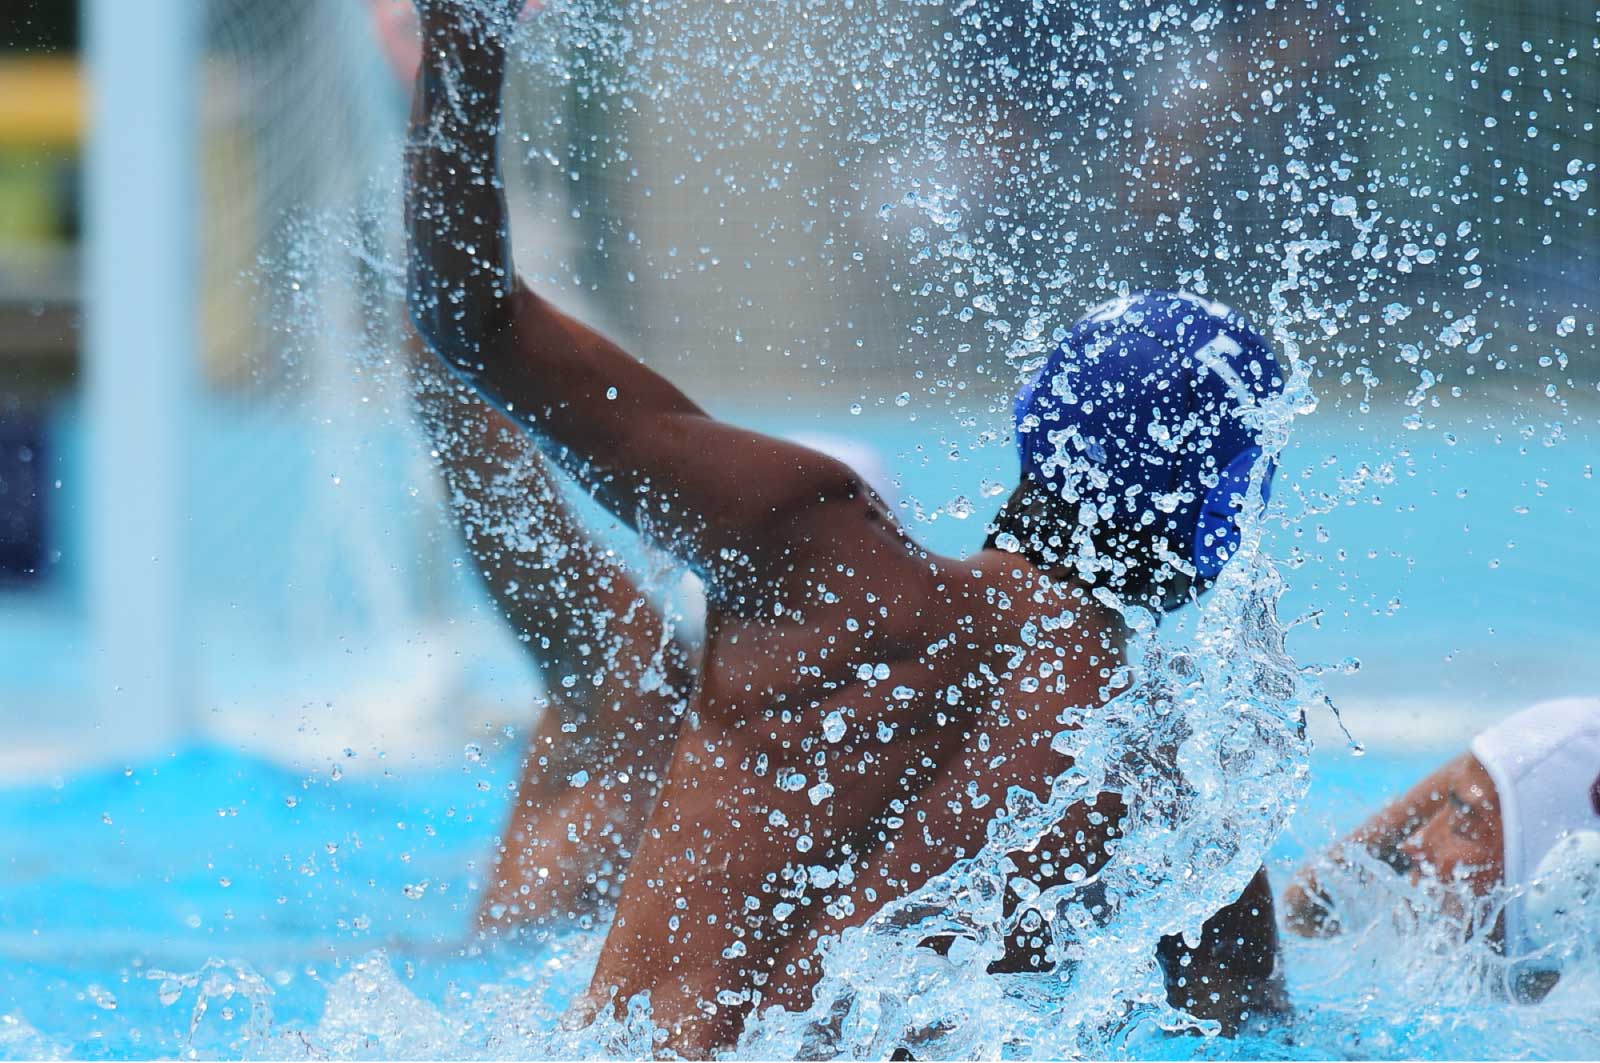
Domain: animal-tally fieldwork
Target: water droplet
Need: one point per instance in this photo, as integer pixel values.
(960, 507)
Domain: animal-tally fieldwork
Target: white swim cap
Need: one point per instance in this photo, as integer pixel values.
(1545, 763)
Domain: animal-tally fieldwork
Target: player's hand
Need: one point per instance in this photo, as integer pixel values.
(396, 24)
(480, 20)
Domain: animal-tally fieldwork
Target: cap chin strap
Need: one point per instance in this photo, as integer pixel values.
(1216, 535)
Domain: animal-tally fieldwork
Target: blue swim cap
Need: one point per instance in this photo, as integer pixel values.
(1139, 407)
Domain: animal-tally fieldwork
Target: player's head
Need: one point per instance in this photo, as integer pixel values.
(1135, 456)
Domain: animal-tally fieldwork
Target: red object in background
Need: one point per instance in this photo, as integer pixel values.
(395, 23)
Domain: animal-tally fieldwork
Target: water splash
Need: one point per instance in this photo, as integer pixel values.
(19, 1040)
(1417, 971)
(1402, 981)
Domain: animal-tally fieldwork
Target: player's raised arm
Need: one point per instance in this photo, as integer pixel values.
(720, 496)
(460, 280)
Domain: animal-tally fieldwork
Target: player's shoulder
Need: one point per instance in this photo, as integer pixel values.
(992, 571)
(985, 583)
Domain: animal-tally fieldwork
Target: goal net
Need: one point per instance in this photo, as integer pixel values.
(330, 605)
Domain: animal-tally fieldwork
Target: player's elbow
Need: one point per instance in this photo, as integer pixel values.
(464, 343)
(806, 511)
(440, 332)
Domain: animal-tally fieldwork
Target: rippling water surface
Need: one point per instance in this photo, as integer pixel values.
(213, 904)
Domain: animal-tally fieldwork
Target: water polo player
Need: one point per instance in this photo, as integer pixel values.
(851, 682)
(1520, 809)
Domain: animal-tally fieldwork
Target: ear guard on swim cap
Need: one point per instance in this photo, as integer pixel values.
(1216, 534)
(1137, 412)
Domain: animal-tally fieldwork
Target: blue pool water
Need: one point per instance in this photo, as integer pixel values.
(213, 904)
(292, 881)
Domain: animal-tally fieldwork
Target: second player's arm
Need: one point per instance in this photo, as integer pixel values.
(1307, 906)
(568, 598)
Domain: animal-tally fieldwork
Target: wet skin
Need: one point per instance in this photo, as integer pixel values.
(615, 675)
(915, 778)
(1464, 840)
(1444, 829)
(819, 603)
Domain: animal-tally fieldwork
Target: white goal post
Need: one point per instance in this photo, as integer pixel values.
(139, 356)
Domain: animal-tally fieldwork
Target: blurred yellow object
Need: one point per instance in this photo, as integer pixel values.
(28, 211)
(41, 102)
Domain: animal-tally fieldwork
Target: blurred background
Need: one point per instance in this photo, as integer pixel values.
(220, 524)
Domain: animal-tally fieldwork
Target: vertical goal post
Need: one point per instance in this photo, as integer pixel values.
(140, 356)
